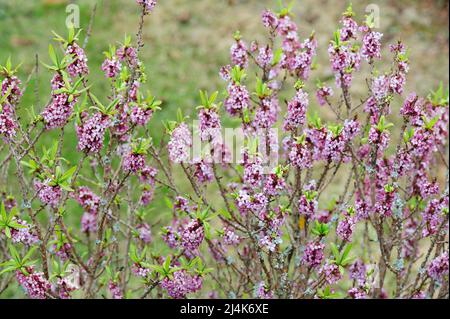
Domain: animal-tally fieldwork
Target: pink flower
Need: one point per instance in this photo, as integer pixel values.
(357, 293)
(267, 113)
(12, 84)
(58, 112)
(349, 29)
(264, 57)
(116, 292)
(438, 268)
(88, 199)
(148, 5)
(371, 47)
(181, 284)
(89, 223)
(238, 99)
(269, 19)
(262, 292)
(238, 53)
(230, 237)
(331, 272)
(145, 233)
(209, 125)
(111, 67)
(133, 163)
(23, 235)
(128, 54)
(140, 116)
(49, 195)
(301, 156)
(346, 227)
(323, 93)
(203, 171)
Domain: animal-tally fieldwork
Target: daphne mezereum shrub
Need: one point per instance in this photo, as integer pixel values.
(250, 218)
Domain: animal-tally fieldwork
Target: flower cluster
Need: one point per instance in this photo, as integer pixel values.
(181, 284)
(34, 283)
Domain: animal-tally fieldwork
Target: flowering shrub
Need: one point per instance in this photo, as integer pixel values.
(265, 225)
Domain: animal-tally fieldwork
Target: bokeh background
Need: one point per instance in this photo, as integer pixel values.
(187, 41)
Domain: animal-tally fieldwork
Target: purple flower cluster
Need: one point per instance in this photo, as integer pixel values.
(140, 116)
(262, 292)
(111, 67)
(349, 28)
(307, 206)
(371, 47)
(230, 237)
(438, 268)
(12, 84)
(203, 171)
(91, 132)
(58, 112)
(238, 54)
(313, 254)
(269, 19)
(357, 293)
(24, 235)
(192, 235)
(323, 93)
(128, 54)
(90, 203)
(296, 114)
(145, 233)
(49, 195)
(433, 216)
(331, 273)
(209, 125)
(237, 100)
(147, 5)
(345, 59)
(8, 125)
(267, 113)
(133, 162)
(301, 156)
(180, 144)
(357, 271)
(78, 67)
(116, 292)
(346, 227)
